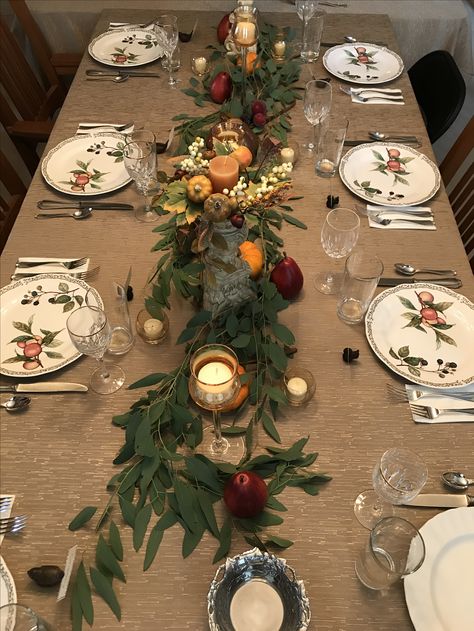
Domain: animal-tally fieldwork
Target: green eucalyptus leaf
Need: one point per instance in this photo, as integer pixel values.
(269, 427)
(207, 508)
(278, 541)
(105, 590)
(106, 558)
(225, 538)
(76, 610)
(84, 594)
(115, 542)
(191, 539)
(82, 517)
(128, 511)
(154, 541)
(275, 504)
(142, 520)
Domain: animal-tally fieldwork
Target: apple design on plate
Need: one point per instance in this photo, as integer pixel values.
(245, 494)
(287, 277)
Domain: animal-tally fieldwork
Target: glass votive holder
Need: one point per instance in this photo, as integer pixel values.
(200, 64)
(279, 48)
(152, 330)
(290, 153)
(299, 385)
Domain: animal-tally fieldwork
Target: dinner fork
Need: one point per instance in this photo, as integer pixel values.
(5, 503)
(67, 264)
(81, 275)
(12, 524)
(426, 411)
(400, 395)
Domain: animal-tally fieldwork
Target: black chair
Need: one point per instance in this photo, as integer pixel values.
(439, 89)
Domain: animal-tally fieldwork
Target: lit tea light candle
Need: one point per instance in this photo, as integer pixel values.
(215, 382)
(223, 173)
(153, 328)
(326, 166)
(200, 65)
(287, 155)
(279, 48)
(297, 388)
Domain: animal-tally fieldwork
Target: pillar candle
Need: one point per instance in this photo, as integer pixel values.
(223, 173)
(200, 65)
(287, 155)
(245, 34)
(279, 48)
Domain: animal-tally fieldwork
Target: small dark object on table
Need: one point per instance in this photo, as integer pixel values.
(348, 355)
(332, 201)
(46, 575)
(129, 293)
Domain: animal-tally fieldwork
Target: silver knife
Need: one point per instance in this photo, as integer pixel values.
(454, 283)
(53, 204)
(441, 500)
(356, 143)
(130, 73)
(46, 386)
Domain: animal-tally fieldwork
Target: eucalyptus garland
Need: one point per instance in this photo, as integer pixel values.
(162, 481)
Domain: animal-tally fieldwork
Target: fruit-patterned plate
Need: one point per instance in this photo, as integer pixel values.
(424, 333)
(86, 165)
(125, 48)
(7, 597)
(33, 314)
(389, 174)
(363, 63)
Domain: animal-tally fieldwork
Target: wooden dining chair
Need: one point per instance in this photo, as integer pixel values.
(26, 107)
(457, 171)
(10, 203)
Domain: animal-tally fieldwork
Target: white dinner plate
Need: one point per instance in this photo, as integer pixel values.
(85, 165)
(126, 47)
(390, 174)
(439, 594)
(363, 63)
(7, 595)
(424, 332)
(33, 312)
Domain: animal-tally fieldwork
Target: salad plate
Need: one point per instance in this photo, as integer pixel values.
(439, 594)
(363, 63)
(389, 174)
(127, 47)
(7, 596)
(86, 165)
(33, 313)
(423, 332)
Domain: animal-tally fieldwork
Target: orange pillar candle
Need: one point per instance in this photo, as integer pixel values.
(223, 173)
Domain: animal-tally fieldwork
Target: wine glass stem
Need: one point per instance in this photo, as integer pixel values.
(216, 419)
(244, 78)
(104, 373)
(304, 33)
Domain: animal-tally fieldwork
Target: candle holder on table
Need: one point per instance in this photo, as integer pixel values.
(245, 35)
(200, 63)
(152, 330)
(299, 386)
(279, 48)
(214, 384)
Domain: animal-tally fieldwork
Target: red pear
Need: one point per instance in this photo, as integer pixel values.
(245, 494)
(223, 29)
(287, 277)
(221, 87)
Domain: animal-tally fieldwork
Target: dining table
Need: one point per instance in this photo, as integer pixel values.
(56, 457)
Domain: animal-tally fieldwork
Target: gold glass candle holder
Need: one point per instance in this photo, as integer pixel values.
(200, 64)
(152, 330)
(299, 385)
(279, 48)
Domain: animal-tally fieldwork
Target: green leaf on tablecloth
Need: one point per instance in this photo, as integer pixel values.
(267, 519)
(225, 538)
(144, 445)
(154, 541)
(128, 511)
(294, 221)
(82, 517)
(84, 594)
(275, 504)
(105, 590)
(278, 541)
(269, 427)
(207, 508)
(76, 610)
(115, 542)
(276, 394)
(142, 520)
(283, 333)
(191, 539)
(185, 496)
(233, 430)
(203, 473)
(106, 558)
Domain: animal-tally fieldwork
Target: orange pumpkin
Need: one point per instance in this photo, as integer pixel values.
(253, 256)
(243, 394)
(252, 62)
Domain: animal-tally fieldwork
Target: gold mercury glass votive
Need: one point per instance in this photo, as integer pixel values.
(152, 330)
(299, 385)
(200, 64)
(279, 48)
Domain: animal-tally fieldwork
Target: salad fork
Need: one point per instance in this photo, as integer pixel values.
(426, 411)
(12, 524)
(82, 275)
(67, 264)
(400, 395)
(5, 503)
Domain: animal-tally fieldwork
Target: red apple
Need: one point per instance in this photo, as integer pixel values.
(287, 277)
(223, 29)
(245, 494)
(221, 87)
(259, 107)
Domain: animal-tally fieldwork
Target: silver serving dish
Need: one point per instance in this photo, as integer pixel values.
(257, 591)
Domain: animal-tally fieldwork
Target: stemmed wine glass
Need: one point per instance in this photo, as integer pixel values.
(139, 157)
(90, 332)
(397, 478)
(305, 10)
(316, 106)
(214, 383)
(339, 235)
(166, 32)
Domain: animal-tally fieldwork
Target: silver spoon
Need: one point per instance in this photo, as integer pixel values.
(386, 222)
(118, 79)
(81, 213)
(16, 403)
(409, 270)
(352, 40)
(377, 135)
(456, 480)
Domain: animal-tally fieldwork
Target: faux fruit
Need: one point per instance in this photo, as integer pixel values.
(223, 29)
(253, 256)
(199, 188)
(245, 494)
(237, 220)
(243, 155)
(287, 277)
(217, 207)
(259, 119)
(240, 398)
(259, 107)
(221, 87)
(252, 62)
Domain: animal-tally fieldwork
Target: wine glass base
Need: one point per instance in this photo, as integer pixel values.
(370, 509)
(107, 385)
(327, 284)
(229, 451)
(145, 215)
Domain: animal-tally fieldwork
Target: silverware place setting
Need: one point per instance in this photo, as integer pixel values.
(451, 282)
(409, 270)
(369, 94)
(399, 394)
(91, 73)
(5, 503)
(407, 210)
(72, 264)
(12, 525)
(58, 204)
(16, 404)
(87, 274)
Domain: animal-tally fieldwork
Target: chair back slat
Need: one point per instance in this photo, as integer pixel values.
(9, 207)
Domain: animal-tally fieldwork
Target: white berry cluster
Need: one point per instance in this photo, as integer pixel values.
(238, 190)
(195, 164)
(281, 171)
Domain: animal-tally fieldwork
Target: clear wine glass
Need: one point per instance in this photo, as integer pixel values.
(316, 106)
(166, 32)
(397, 478)
(305, 10)
(90, 332)
(214, 383)
(139, 157)
(339, 235)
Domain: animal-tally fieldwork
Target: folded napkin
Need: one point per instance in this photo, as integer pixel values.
(7, 512)
(372, 93)
(390, 212)
(90, 128)
(49, 268)
(437, 400)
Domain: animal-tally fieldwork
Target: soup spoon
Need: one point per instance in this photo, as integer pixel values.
(16, 403)
(456, 480)
(118, 79)
(81, 213)
(377, 135)
(409, 270)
